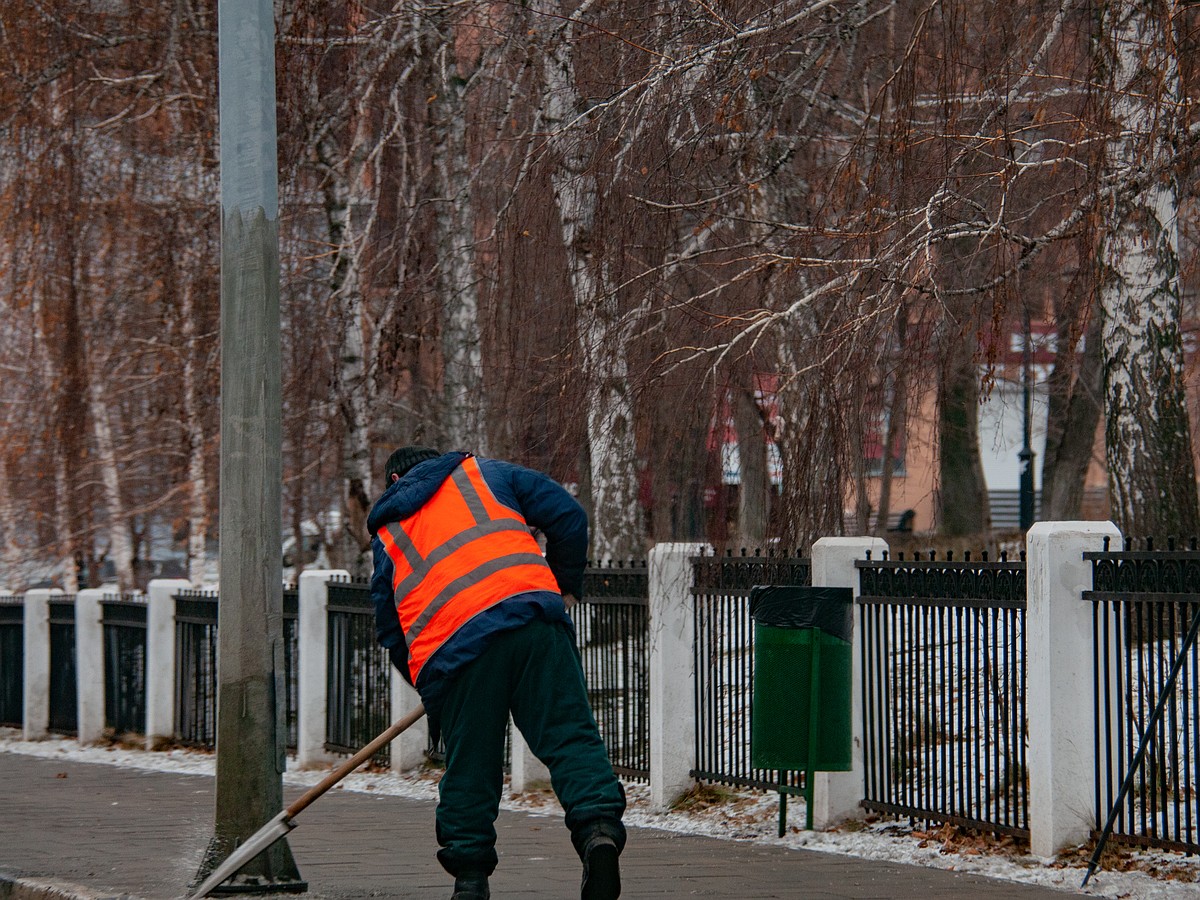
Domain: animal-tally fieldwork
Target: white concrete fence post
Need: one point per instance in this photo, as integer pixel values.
(89, 664)
(312, 633)
(672, 672)
(836, 795)
(160, 659)
(408, 749)
(1060, 671)
(36, 669)
(528, 772)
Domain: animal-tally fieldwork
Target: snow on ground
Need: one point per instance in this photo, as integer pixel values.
(736, 815)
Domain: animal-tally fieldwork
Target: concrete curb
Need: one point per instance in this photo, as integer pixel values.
(13, 888)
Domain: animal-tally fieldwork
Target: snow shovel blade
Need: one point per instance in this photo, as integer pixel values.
(255, 844)
(282, 823)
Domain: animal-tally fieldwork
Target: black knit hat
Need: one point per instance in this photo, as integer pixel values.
(405, 458)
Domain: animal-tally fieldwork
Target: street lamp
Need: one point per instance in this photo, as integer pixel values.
(1026, 455)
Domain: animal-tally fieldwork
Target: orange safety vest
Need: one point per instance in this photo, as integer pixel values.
(459, 554)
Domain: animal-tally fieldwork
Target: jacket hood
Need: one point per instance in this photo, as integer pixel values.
(404, 497)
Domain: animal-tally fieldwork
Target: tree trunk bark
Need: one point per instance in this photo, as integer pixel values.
(813, 447)
(352, 549)
(464, 416)
(1152, 481)
(617, 528)
(752, 458)
(962, 491)
(11, 554)
(193, 424)
(120, 543)
(1072, 417)
(60, 351)
(62, 524)
(897, 414)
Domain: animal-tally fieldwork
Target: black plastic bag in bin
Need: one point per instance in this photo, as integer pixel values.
(829, 609)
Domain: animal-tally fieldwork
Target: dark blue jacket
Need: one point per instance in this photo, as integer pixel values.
(544, 504)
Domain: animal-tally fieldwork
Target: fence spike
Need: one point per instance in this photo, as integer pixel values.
(1128, 544)
(949, 556)
(1107, 541)
(1022, 556)
(868, 554)
(1170, 542)
(1003, 556)
(966, 556)
(1149, 544)
(885, 555)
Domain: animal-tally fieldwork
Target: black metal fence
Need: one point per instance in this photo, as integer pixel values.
(944, 685)
(291, 663)
(64, 686)
(724, 661)
(124, 625)
(196, 667)
(359, 682)
(615, 652)
(12, 661)
(1143, 604)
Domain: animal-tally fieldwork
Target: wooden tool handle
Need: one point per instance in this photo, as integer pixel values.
(400, 725)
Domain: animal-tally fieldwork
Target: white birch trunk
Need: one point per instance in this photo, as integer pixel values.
(352, 548)
(357, 459)
(62, 524)
(193, 423)
(616, 520)
(1150, 467)
(120, 543)
(465, 407)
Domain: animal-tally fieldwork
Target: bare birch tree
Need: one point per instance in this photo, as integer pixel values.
(1151, 469)
(464, 404)
(601, 332)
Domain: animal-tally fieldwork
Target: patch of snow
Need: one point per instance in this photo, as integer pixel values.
(733, 815)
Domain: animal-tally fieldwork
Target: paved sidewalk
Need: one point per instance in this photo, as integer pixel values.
(120, 832)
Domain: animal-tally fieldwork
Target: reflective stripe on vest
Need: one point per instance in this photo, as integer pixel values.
(460, 554)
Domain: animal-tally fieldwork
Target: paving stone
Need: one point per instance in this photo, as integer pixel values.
(121, 832)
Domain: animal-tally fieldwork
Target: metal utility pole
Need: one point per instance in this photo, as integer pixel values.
(250, 728)
(1026, 455)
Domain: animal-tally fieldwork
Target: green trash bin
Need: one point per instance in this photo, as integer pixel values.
(800, 717)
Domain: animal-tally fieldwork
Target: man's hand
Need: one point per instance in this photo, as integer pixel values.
(569, 600)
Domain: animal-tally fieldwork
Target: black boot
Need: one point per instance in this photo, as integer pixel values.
(471, 886)
(601, 871)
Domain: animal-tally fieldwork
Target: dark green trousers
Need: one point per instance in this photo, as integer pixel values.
(532, 672)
